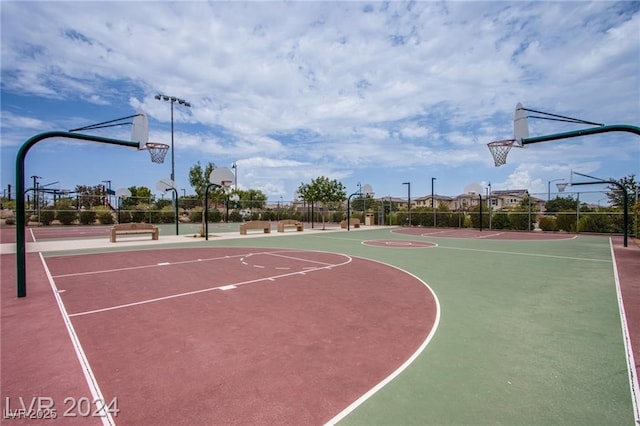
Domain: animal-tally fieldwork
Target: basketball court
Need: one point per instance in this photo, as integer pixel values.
(323, 327)
(375, 326)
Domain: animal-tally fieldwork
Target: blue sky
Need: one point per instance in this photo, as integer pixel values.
(362, 92)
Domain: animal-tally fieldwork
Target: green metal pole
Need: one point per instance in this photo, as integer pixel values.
(20, 206)
(583, 132)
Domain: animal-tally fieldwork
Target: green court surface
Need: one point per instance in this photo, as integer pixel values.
(530, 332)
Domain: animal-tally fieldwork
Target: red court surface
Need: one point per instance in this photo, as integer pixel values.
(211, 335)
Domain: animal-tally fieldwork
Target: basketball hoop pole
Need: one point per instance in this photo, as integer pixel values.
(583, 132)
(20, 206)
(206, 208)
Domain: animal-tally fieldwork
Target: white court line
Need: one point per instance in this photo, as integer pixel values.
(205, 290)
(32, 235)
(529, 254)
(355, 404)
(96, 393)
(154, 265)
(227, 287)
(489, 235)
(631, 365)
(301, 259)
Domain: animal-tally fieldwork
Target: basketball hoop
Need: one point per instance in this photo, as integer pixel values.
(157, 151)
(499, 151)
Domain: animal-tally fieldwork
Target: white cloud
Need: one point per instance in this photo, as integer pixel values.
(345, 89)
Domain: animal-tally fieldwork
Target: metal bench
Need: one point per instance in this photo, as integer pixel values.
(255, 224)
(290, 223)
(134, 228)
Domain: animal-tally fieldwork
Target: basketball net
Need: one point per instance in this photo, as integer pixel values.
(499, 151)
(157, 151)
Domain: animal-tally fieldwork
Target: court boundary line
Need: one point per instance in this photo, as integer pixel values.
(631, 365)
(92, 383)
(272, 278)
(375, 389)
(552, 256)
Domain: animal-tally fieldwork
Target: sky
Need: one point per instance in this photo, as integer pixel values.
(367, 93)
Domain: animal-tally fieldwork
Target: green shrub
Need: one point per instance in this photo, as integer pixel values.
(167, 215)
(566, 221)
(87, 217)
(548, 223)
(195, 215)
(46, 216)
(105, 217)
(500, 221)
(124, 216)
(235, 216)
(66, 217)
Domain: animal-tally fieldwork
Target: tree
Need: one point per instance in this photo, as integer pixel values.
(89, 196)
(559, 204)
(615, 193)
(199, 178)
(139, 195)
(251, 199)
(324, 191)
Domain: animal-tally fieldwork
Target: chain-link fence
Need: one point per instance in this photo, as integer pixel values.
(574, 212)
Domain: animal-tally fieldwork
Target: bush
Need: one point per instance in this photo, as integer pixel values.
(46, 216)
(500, 221)
(167, 215)
(105, 217)
(124, 216)
(195, 215)
(87, 217)
(235, 216)
(566, 221)
(548, 223)
(66, 217)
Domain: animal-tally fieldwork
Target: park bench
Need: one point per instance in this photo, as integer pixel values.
(288, 223)
(255, 224)
(134, 228)
(354, 221)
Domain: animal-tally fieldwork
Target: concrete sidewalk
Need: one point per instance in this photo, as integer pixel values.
(134, 241)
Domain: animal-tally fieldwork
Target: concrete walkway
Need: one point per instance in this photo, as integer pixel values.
(102, 242)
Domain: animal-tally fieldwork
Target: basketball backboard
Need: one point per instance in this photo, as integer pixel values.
(165, 185)
(123, 193)
(367, 190)
(140, 129)
(473, 188)
(221, 176)
(520, 125)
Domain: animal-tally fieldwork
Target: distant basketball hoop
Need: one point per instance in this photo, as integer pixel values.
(499, 150)
(157, 151)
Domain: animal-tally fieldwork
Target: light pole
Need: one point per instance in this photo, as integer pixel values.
(432, 203)
(409, 199)
(549, 188)
(234, 166)
(35, 191)
(172, 100)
